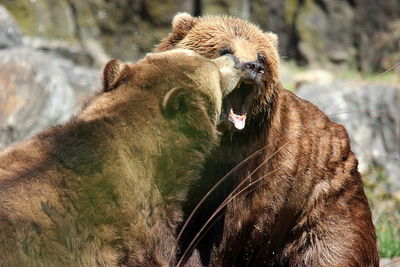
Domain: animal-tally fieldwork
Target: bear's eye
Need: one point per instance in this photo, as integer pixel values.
(261, 58)
(225, 51)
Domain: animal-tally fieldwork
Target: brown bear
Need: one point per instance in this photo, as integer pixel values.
(291, 189)
(106, 188)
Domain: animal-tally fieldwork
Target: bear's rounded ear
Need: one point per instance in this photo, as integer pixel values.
(175, 101)
(182, 23)
(115, 72)
(273, 38)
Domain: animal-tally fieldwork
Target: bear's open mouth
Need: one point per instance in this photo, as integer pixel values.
(236, 103)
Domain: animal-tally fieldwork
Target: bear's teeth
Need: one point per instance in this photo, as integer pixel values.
(238, 120)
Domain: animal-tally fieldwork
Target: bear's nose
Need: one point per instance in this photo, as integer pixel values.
(253, 68)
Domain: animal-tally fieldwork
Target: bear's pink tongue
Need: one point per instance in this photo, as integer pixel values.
(237, 120)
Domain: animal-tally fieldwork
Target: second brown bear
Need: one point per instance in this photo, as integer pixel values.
(297, 198)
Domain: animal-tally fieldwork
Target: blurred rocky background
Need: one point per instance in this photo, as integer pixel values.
(335, 54)
(363, 34)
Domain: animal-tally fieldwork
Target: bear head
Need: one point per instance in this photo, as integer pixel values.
(185, 88)
(257, 53)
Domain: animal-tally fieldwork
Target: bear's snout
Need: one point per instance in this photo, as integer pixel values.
(252, 70)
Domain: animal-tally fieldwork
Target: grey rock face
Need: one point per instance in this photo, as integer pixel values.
(40, 83)
(124, 29)
(37, 91)
(61, 49)
(360, 33)
(10, 34)
(371, 115)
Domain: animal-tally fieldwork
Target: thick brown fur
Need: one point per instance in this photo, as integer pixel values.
(105, 189)
(310, 208)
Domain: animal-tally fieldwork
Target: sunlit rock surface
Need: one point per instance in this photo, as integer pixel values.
(38, 91)
(10, 34)
(371, 114)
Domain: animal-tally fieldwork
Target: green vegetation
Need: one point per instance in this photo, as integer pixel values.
(23, 14)
(388, 232)
(385, 212)
(45, 18)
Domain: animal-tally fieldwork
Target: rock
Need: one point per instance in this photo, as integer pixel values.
(309, 31)
(395, 262)
(313, 76)
(82, 80)
(44, 18)
(357, 33)
(72, 52)
(38, 90)
(40, 85)
(376, 32)
(10, 34)
(371, 114)
(363, 34)
(124, 29)
(324, 29)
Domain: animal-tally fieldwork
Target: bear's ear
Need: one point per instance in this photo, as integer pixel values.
(176, 101)
(273, 38)
(115, 72)
(182, 23)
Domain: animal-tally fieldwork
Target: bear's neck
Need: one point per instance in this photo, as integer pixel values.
(230, 155)
(105, 167)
